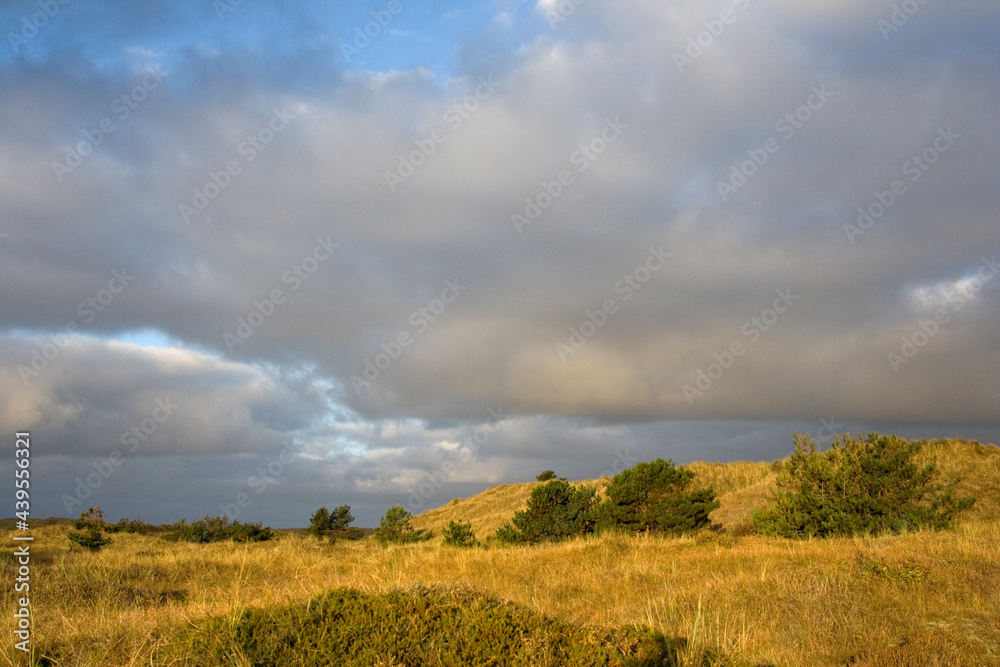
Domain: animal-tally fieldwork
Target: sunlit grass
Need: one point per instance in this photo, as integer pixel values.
(756, 600)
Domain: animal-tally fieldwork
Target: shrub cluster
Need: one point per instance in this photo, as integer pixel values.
(335, 525)
(217, 529)
(395, 528)
(858, 487)
(418, 627)
(136, 525)
(650, 497)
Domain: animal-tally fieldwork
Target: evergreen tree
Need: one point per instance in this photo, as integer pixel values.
(654, 497)
(556, 510)
(92, 523)
(858, 486)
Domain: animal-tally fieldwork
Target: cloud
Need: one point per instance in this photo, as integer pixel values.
(329, 205)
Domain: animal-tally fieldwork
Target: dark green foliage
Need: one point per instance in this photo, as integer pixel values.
(217, 529)
(136, 525)
(655, 497)
(422, 627)
(858, 487)
(460, 535)
(334, 526)
(395, 528)
(91, 523)
(556, 510)
(546, 475)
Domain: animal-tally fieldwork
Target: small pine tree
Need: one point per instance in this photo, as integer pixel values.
(545, 476)
(334, 526)
(654, 497)
(556, 511)
(395, 528)
(92, 523)
(857, 487)
(319, 523)
(460, 535)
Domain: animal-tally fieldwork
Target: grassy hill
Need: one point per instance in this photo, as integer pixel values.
(741, 486)
(723, 597)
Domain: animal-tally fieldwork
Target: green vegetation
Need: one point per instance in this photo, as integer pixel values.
(434, 627)
(556, 510)
(334, 526)
(395, 528)
(654, 497)
(91, 523)
(858, 487)
(218, 529)
(459, 535)
(547, 475)
(136, 525)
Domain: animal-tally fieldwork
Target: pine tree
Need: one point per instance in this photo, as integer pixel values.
(654, 497)
(858, 486)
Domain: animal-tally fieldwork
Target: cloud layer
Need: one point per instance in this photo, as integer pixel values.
(611, 224)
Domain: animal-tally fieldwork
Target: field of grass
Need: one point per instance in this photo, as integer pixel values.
(727, 596)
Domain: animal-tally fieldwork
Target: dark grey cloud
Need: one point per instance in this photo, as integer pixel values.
(298, 298)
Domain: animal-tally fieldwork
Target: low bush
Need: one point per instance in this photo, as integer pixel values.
(430, 627)
(218, 529)
(459, 535)
(858, 487)
(136, 525)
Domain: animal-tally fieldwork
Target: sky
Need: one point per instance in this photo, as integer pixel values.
(258, 257)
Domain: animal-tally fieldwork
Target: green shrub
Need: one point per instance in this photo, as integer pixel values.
(91, 523)
(857, 487)
(556, 511)
(460, 535)
(419, 627)
(546, 475)
(217, 529)
(136, 525)
(334, 526)
(395, 528)
(655, 497)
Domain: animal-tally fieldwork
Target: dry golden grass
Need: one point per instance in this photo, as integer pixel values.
(925, 598)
